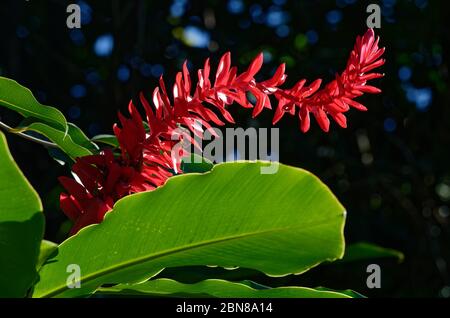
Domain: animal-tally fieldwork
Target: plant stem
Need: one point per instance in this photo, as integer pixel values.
(28, 137)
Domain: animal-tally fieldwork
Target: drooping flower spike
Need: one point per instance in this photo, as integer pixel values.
(145, 161)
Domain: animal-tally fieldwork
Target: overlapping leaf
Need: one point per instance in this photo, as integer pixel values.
(20, 99)
(219, 288)
(45, 120)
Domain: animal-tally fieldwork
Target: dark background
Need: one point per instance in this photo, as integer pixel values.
(389, 167)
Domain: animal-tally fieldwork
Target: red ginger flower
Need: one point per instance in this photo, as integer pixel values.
(145, 161)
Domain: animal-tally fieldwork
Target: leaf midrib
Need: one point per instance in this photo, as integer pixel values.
(144, 259)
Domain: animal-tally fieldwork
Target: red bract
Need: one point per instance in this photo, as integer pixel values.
(145, 160)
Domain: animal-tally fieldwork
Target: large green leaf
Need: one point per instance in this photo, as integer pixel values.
(20, 99)
(63, 140)
(21, 227)
(217, 288)
(278, 224)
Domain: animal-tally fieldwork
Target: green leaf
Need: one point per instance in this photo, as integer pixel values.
(63, 140)
(279, 224)
(193, 274)
(80, 138)
(21, 227)
(348, 292)
(47, 248)
(196, 163)
(20, 99)
(109, 140)
(365, 251)
(216, 288)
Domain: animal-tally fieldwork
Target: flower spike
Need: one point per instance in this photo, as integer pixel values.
(146, 160)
